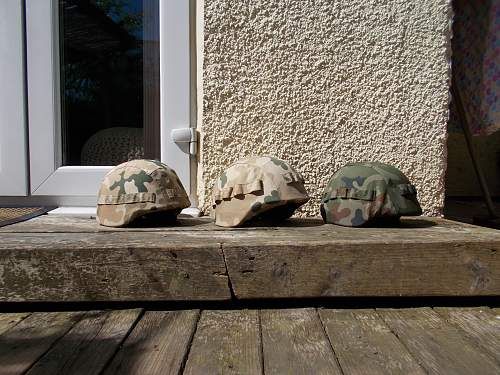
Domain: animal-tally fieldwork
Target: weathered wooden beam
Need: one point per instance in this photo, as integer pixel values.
(58, 259)
(110, 267)
(293, 269)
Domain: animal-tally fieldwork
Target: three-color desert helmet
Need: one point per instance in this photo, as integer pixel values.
(257, 187)
(137, 188)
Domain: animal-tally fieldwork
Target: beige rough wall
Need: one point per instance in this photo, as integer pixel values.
(324, 82)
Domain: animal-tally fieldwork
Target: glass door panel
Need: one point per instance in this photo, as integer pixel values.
(109, 81)
(94, 88)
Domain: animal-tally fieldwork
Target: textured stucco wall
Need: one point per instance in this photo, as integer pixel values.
(324, 82)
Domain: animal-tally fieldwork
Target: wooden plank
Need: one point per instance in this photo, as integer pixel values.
(111, 267)
(22, 345)
(356, 268)
(414, 228)
(438, 346)
(226, 342)
(362, 341)
(294, 342)
(9, 320)
(61, 259)
(98, 332)
(68, 224)
(479, 324)
(157, 345)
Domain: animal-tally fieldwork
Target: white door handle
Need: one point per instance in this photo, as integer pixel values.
(186, 139)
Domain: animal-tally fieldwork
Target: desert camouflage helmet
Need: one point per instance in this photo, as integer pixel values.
(136, 188)
(362, 193)
(254, 186)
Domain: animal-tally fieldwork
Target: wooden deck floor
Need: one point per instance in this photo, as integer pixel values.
(284, 341)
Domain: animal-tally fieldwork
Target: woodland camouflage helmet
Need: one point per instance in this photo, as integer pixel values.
(136, 188)
(361, 193)
(257, 185)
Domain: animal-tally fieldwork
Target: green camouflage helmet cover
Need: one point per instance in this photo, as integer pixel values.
(136, 188)
(359, 193)
(256, 185)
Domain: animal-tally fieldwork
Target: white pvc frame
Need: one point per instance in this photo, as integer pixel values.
(47, 176)
(13, 145)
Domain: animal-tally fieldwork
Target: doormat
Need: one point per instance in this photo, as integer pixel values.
(15, 214)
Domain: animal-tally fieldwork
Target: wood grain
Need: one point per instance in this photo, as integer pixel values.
(479, 324)
(361, 341)
(68, 224)
(226, 342)
(335, 268)
(298, 341)
(9, 320)
(25, 343)
(158, 344)
(294, 342)
(438, 346)
(111, 267)
(70, 259)
(99, 332)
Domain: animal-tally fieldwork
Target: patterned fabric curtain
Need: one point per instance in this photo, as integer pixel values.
(476, 63)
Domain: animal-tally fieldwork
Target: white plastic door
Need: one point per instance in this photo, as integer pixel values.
(48, 176)
(13, 153)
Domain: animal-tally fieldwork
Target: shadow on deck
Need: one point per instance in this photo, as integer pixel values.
(271, 341)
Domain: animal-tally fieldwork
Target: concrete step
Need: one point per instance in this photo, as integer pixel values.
(53, 258)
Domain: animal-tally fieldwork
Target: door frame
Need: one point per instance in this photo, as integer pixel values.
(13, 145)
(47, 176)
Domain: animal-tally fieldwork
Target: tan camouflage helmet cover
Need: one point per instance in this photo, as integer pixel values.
(364, 193)
(136, 188)
(257, 185)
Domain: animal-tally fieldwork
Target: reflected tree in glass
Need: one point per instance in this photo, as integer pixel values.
(102, 80)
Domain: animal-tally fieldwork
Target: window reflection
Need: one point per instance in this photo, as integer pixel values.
(109, 51)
